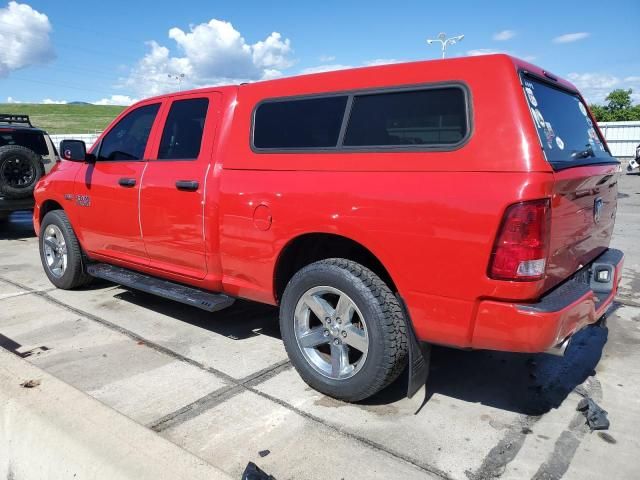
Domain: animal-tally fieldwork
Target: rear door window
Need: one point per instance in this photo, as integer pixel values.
(182, 135)
(299, 124)
(567, 132)
(431, 117)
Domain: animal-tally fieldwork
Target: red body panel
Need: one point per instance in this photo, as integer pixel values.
(429, 217)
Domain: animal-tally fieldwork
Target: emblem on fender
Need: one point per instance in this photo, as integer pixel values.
(83, 200)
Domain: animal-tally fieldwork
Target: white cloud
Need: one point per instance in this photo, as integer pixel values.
(381, 61)
(483, 51)
(326, 58)
(13, 100)
(338, 66)
(490, 51)
(122, 100)
(571, 37)
(211, 53)
(324, 68)
(49, 101)
(596, 86)
(24, 38)
(504, 35)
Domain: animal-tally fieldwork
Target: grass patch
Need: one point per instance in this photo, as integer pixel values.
(65, 118)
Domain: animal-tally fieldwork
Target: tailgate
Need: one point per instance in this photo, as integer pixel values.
(582, 218)
(585, 190)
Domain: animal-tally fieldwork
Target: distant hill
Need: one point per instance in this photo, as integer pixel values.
(78, 117)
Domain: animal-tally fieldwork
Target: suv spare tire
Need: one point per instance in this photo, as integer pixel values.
(20, 169)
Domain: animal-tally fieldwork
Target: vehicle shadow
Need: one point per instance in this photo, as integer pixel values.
(242, 320)
(530, 384)
(18, 226)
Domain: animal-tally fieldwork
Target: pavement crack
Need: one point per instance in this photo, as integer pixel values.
(496, 461)
(236, 386)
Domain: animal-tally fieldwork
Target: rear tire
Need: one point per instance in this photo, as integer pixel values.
(60, 252)
(20, 170)
(360, 346)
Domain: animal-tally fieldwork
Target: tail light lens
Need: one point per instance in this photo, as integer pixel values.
(522, 245)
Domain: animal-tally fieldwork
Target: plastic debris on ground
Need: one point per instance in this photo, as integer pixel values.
(253, 472)
(596, 416)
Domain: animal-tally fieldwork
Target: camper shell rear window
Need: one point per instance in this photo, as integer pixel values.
(567, 132)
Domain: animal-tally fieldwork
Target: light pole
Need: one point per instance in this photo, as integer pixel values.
(445, 42)
(179, 78)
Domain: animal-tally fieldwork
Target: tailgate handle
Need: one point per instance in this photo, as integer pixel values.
(127, 182)
(187, 185)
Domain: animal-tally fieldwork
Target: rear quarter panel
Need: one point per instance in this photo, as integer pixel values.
(429, 217)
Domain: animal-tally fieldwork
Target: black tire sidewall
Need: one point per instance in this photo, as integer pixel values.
(74, 260)
(340, 278)
(11, 151)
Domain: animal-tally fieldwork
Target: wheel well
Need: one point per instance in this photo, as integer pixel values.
(313, 247)
(48, 206)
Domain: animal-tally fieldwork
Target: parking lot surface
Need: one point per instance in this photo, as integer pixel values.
(220, 385)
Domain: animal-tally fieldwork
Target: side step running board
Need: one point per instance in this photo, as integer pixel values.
(211, 302)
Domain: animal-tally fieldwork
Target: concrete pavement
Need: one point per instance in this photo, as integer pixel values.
(220, 386)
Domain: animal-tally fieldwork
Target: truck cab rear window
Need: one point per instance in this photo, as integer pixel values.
(567, 133)
(426, 117)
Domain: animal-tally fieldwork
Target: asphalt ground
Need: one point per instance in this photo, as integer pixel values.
(220, 385)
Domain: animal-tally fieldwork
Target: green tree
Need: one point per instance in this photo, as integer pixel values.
(619, 107)
(619, 100)
(600, 112)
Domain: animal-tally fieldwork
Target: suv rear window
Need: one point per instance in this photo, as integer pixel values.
(566, 130)
(31, 140)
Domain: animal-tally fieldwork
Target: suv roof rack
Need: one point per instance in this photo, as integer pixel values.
(11, 118)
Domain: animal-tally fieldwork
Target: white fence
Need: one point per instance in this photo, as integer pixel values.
(622, 137)
(88, 138)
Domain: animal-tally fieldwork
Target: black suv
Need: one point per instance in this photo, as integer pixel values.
(26, 154)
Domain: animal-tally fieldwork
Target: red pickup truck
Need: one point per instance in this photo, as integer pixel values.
(466, 202)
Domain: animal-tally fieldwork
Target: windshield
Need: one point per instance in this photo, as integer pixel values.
(566, 131)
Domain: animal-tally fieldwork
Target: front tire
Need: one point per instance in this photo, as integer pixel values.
(60, 252)
(343, 329)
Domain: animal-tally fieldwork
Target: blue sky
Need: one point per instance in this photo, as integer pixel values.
(117, 51)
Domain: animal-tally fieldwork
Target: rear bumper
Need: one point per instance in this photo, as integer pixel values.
(537, 327)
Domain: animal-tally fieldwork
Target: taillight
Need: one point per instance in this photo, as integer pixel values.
(522, 244)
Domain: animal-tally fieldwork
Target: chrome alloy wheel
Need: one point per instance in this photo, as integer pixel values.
(331, 332)
(55, 250)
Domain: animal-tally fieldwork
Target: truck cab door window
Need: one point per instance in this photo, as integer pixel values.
(128, 139)
(182, 135)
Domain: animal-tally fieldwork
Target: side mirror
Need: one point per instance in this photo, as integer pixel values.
(74, 151)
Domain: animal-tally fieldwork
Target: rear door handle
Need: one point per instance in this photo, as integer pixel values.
(187, 185)
(127, 182)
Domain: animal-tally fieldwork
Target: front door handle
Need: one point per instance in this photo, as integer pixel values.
(187, 185)
(127, 182)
